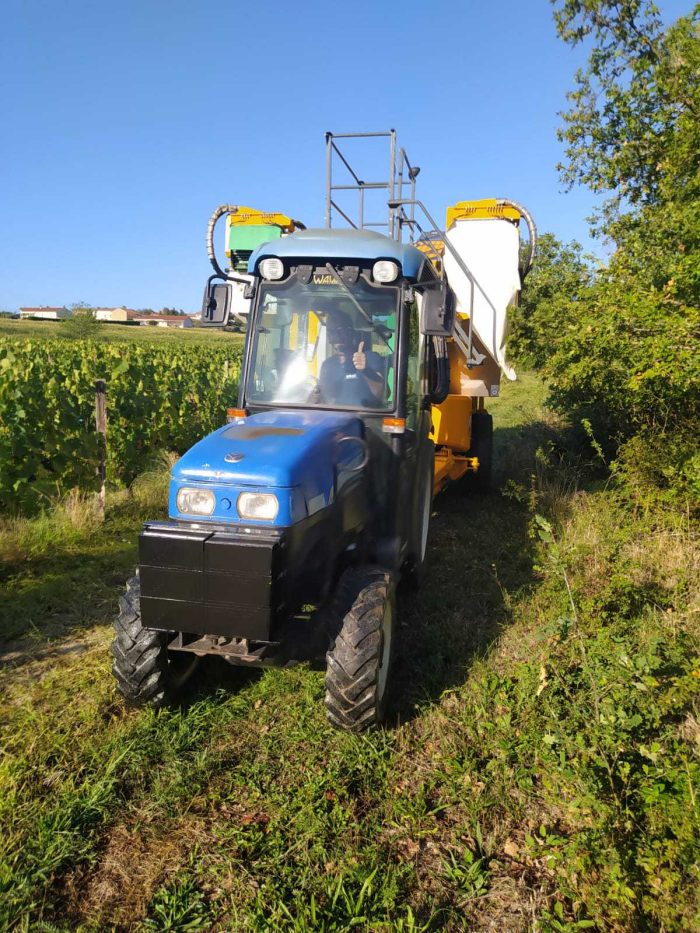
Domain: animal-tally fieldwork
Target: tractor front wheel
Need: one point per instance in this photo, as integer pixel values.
(359, 662)
(147, 674)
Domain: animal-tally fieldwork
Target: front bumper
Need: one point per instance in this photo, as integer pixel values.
(211, 581)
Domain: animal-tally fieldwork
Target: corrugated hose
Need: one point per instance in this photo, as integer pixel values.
(532, 230)
(211, 252)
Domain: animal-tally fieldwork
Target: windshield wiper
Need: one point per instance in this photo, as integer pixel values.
(357, 304)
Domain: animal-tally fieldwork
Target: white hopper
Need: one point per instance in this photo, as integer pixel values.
(489, 248)
(240, 305)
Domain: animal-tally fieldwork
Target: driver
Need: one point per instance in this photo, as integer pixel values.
(352, 375)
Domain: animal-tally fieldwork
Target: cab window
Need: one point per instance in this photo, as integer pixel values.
(317, 345)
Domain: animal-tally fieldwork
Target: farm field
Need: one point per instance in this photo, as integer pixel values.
(119, 333)
(537, 772)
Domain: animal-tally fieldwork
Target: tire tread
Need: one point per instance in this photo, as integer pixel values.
(139, 655)
(352, 673)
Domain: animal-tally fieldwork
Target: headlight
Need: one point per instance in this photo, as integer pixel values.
(258, 505)
(195, 501)
(272, 269)
(385, 271)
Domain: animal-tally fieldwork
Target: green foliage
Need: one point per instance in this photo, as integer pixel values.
(633, 102)
(555, 288)
(625, 359)
(615, 684)
(121, 333)
(159, 396)
(468, 874)
(82, 325)
(343, 904)
(178, 908)
(631, 368)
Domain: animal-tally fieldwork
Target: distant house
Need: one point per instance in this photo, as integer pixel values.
(44, 313)
(163, 320)
(116, 315)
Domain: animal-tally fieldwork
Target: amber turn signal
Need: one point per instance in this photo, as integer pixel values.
(235, 414)
(394, 425)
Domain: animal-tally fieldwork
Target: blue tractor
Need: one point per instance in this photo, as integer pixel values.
(291, 526)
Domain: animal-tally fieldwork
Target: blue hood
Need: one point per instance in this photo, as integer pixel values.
(293, 454)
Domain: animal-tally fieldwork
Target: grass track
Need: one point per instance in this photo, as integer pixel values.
(498, 798)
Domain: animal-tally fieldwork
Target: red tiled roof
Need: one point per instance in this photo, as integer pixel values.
(44, 308)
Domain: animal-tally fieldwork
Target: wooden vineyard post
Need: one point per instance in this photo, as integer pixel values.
(226, 370)
(101, 425)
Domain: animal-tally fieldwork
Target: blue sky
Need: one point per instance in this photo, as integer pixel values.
(123, 125)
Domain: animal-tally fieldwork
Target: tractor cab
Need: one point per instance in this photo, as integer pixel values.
(317, 316)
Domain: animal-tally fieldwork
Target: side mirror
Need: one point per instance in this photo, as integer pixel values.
(216, 304)
(437, 312)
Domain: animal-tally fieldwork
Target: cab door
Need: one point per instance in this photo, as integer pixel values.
(417, 466)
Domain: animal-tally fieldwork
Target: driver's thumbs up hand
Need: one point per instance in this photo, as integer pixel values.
(359, 359)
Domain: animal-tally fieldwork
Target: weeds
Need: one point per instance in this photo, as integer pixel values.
(64, 524)
(150, 488)
(468, 874)
(178, 908)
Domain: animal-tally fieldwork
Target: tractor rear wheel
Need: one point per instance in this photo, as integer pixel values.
(359, 662)
(482, 447)
(146, 673)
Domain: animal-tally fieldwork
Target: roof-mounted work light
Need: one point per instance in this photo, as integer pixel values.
(272, 269)
(385, 271)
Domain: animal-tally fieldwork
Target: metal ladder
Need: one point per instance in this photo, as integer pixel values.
(400, 185)
(401, 182)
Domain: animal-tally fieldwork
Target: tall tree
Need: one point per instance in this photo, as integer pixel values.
(632, 133)
(634, 105)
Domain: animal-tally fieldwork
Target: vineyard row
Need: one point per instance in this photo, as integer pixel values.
(159, 396)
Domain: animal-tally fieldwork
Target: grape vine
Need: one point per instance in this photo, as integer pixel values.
(158, 397)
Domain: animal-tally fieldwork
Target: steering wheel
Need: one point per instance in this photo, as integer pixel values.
(315, 395)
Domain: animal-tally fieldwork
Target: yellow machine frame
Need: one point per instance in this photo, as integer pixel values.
(451, 419)
(485, 209)
(248, 216)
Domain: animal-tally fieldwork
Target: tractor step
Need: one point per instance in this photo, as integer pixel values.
(235, 649)
(302, 638)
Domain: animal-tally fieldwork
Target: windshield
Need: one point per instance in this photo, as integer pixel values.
(323, 344)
